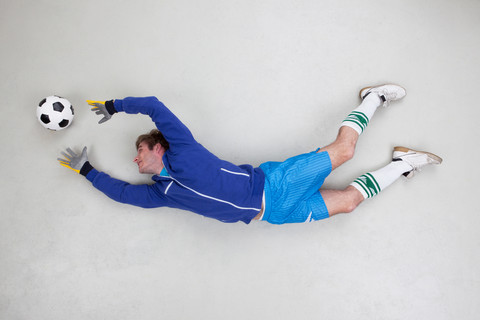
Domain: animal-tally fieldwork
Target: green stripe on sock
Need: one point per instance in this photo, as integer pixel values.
(356, 122)
(359, 118)
(368, 184)
(375, 182)
(362, 116)
(364, 187)
(357, 181)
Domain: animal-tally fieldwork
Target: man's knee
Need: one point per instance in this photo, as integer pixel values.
(340, 152)
(348, 152)
(354, 199)
(341, 201)
(345, 151)
(350, 206)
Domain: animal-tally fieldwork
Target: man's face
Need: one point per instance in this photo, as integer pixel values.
(148, 161)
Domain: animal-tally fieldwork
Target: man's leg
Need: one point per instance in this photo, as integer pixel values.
(405, 162)
(343, 148)
(341, 201)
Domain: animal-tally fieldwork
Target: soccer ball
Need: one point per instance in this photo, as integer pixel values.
(55, 113)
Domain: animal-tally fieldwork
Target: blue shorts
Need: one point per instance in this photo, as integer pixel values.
(292, 188)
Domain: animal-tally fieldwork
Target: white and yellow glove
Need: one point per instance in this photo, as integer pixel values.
(72, 160)
(105, 108)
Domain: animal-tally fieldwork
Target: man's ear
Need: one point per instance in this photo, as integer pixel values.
(158, 148)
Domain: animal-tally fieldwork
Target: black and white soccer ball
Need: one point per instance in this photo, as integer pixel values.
(55, 113)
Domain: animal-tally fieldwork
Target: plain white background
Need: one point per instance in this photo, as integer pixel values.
(254, 81)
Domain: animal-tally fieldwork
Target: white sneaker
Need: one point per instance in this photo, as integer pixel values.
(386, 92)
(416, 159)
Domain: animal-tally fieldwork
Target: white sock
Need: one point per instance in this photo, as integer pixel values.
(371, 183)
(359, 118)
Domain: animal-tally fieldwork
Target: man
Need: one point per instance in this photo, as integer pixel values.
(189, 177)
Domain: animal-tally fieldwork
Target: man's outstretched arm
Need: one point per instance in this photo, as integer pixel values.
(174, 131)
(121, 191)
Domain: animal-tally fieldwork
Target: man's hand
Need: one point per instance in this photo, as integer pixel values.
(100, 108)
(72, 160)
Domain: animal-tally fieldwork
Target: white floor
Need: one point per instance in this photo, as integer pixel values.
(254, 81)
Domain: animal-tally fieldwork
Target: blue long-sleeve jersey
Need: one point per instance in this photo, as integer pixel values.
(198, 181)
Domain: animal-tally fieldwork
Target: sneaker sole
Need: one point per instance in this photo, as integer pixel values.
(381, 85)
(429, 154)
